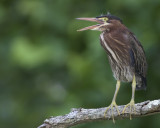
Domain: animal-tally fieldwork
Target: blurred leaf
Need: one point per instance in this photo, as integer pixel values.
(27, 54)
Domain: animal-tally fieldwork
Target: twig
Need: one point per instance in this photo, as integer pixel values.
(81, 115)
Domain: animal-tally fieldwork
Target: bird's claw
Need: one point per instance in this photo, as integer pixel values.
(132, 108)
(113, 104)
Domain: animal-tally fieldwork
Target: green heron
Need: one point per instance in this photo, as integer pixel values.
(125, 53)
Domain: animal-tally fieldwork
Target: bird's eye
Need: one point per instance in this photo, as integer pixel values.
(105, 19)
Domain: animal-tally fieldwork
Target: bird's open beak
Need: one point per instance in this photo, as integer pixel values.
(93, 27)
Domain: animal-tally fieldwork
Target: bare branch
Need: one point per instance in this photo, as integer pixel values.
(81, 115)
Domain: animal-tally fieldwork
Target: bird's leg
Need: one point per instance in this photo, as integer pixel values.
(131, 104)
(113, 104)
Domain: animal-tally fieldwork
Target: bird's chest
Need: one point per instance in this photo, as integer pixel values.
(106, 44)
(118, 57)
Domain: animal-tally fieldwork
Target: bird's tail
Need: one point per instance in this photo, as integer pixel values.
(141, 83)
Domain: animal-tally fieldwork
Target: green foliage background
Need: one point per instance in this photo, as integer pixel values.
(47, 67)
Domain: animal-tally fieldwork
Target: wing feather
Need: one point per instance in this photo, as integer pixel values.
(140, 61)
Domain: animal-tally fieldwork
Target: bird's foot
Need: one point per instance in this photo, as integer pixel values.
(113, 104)
(131, 107)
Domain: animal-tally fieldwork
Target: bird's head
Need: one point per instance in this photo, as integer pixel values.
(103, 22)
